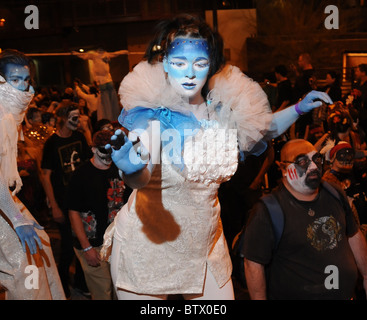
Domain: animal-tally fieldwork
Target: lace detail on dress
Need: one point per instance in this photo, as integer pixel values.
(211, 156)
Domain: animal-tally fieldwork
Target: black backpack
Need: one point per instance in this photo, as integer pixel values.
(277, 219)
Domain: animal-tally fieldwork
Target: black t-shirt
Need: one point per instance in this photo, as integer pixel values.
(361, 105)
(309, 244)
(63, 156)
(302, 84)
(97, 195)
(334, 92)
(284, 92)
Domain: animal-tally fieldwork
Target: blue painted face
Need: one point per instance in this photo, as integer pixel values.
(187, 66)
(18, 76)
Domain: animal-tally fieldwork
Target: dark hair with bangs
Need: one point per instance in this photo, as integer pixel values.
(187, 26)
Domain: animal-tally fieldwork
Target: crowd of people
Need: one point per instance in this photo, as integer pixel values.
(61, 134)
(137, 204)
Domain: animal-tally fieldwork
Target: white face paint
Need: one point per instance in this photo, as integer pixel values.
(104, 157)
(187, 66)
(73, 120)
(304, 175)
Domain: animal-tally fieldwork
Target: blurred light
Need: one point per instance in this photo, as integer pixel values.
(2, 22)
(81, 50)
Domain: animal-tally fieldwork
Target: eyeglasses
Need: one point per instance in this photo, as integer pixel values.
(303, 160)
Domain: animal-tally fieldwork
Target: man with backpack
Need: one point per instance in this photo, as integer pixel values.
(305, 244)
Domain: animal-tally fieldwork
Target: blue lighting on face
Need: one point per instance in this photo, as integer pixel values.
(188, 57)
(18, 76)
(187, 65)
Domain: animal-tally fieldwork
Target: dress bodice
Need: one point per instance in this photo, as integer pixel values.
(172, 228)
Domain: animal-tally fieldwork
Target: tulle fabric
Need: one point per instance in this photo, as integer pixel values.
(235, 100)
(243, 105)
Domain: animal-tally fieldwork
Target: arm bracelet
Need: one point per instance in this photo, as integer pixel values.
(298, 110)
(87, 249)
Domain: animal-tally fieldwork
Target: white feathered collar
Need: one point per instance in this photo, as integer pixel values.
(244, 105)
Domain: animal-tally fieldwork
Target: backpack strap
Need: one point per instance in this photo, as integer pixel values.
(335, 191)
(331, 190)
(276, 215)
(277, 219)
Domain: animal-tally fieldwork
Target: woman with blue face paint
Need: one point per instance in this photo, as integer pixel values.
(187, 114)
(20, 233)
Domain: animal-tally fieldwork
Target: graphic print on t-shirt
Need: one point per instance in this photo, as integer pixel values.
(115, 198)
(324, 233)
(70, 159)
(89, 223)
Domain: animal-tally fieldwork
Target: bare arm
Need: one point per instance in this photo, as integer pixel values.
(92, 256)
(9, 207)
(282, 120)
(150, 154)
(139, 179)
(283, 105)
(117, 53)
(84, 56)
(47, 185)
(358, 245)
(23, 226)
(255, 279)
(319, 143)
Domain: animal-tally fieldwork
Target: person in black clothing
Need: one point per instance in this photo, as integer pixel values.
(284, 88)
(63, 153)
(361, 103)
(95, 195)
(332, 87)
(305, 82)
(319, 235)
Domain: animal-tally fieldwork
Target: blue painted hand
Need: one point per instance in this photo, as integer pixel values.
(130, 156)
(312, 100)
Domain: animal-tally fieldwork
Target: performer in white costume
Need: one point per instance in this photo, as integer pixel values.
(27, 267)
(109, 107)
(192, 114)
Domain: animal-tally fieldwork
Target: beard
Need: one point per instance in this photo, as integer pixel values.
(303, 182)
(313, 179)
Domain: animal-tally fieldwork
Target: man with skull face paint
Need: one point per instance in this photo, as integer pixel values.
(95, 195)
(63, 153)
(341, 157)
(318, 232)
(20, 233)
